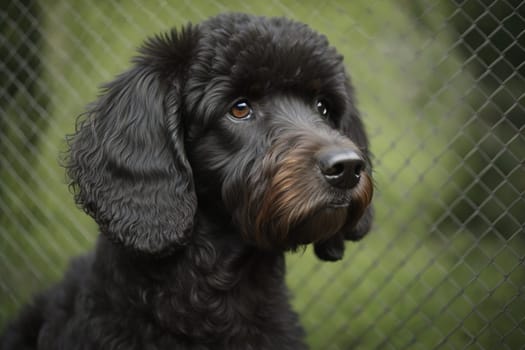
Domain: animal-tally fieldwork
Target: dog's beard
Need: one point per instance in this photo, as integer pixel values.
(293, 205)
(317, 227)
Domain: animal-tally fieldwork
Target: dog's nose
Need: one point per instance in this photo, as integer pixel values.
(341, 167)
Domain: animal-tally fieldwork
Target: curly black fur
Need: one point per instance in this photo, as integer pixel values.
(197, 206)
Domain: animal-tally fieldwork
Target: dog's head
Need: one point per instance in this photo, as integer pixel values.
(252, 118)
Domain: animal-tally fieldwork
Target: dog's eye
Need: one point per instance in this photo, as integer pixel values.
(322, 108)
(241, 110)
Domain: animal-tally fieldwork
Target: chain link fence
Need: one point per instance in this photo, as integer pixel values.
(441, 85)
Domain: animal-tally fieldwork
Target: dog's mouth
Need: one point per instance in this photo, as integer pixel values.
(334, 199)
(338, 205)
(341, 212)
(322, 224)
(340, 200)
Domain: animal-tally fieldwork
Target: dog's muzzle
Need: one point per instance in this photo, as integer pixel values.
(311, 183)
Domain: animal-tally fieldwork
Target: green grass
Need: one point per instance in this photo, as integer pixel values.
(418, 281)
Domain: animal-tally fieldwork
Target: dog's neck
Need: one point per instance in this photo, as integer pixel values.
(216, 277)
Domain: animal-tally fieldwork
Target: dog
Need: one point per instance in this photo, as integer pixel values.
(225, 145)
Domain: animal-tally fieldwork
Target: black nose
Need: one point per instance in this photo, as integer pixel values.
(341, 167)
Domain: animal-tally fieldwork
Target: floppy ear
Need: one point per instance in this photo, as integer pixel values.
(127, 162)
(351, 125)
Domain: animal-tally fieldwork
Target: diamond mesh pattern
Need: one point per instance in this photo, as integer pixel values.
(441, 85)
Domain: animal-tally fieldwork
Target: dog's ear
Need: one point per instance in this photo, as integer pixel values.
(127, 162)
(333, 248)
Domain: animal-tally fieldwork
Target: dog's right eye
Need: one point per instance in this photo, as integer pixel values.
(241, 110)
(322, 108)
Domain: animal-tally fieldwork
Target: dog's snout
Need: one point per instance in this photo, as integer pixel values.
(341, 167)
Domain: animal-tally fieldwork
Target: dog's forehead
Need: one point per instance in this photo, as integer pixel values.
(260, 50)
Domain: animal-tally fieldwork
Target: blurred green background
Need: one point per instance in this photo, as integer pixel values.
(441, 86)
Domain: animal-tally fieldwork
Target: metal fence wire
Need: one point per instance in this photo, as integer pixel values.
(441, 86)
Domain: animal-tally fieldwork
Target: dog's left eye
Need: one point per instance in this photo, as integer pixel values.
(241, 110)
(322, 108)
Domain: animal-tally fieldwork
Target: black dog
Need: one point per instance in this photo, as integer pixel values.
(224, 146)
